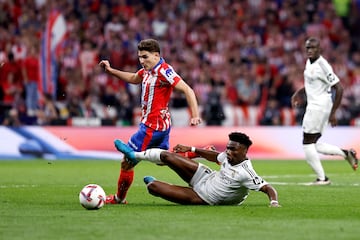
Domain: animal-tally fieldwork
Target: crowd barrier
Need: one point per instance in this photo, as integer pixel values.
(97, 142)
(234, 116)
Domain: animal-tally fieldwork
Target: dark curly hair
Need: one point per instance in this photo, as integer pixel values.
(240, 138)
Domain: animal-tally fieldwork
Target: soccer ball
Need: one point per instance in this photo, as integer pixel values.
(92, 197)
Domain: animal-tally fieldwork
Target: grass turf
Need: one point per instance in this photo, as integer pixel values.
(39, 200)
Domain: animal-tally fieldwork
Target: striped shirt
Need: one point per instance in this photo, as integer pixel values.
(157, 86)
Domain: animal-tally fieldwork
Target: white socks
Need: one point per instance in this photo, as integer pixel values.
(328, 149)
(151, 155)
(313, 159)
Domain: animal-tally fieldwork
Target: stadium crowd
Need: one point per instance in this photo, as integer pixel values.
(238, 53)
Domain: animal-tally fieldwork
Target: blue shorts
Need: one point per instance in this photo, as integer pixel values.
(146, 138)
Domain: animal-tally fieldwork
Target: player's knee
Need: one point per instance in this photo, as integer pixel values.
(125, 165)
(166, 156)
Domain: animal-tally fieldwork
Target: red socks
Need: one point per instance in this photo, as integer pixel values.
(124, 182)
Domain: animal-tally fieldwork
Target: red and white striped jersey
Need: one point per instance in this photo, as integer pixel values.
(156, 88)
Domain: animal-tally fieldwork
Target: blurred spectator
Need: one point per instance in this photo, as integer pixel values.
(31, 75)
(19, 49)
(248, 90)
(48, 114)
(16, 114)
(10, 80)
(124, 108)
(12, 118)
(88, 59)
(70, 72)
(202, 88)
(284, 91)
(213, 109)
(113, 27)
(272, 114)
(73, 106)
(87, 107)
(178, 100)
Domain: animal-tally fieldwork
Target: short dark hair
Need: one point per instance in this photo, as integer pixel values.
(150, 45)
(314, 40)
(241, 138)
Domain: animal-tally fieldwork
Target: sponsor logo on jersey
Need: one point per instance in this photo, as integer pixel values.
(330, 77)
(169, 72)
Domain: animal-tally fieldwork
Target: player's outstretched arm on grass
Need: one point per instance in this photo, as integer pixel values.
(272, 194)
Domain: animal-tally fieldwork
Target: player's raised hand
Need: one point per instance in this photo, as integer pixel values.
(195, 121)
(104, 64)
(181, 148)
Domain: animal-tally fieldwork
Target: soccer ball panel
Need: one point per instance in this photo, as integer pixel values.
(92, 197)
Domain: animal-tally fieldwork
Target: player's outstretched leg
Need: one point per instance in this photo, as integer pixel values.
(149, 179)
(351, 158)
(127, 151)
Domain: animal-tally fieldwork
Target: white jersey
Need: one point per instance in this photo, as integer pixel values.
(228, 186)
(319, 77)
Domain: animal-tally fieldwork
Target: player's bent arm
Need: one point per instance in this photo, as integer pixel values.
(272, 194)
(191, 100)
(338, 96)
(336, 103)
(122, 75)
(295, 98)
(209, 155)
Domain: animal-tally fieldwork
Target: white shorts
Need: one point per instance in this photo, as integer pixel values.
(201, 174)
(198, 182)
(315, 121)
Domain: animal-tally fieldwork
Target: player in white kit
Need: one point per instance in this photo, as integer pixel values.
(323, 96)
(228, 186)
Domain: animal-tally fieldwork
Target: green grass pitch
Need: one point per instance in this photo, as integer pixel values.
(39, 200)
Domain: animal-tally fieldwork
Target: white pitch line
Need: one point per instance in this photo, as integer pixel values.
(297, 176)
(303, 183)
(287, 176)
(18, 186)
(309, 184)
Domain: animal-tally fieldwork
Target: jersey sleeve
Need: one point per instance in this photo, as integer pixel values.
(221, 157)
(329, 75)
(169, 74)
(140, 72)
(255, 183)
(252, 180)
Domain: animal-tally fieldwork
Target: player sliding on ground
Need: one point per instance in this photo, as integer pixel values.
(228, 186)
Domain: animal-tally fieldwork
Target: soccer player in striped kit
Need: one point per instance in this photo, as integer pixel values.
(323, 92)
(158, 80)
